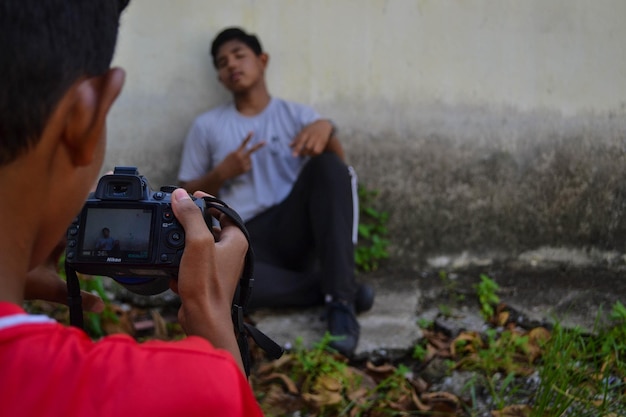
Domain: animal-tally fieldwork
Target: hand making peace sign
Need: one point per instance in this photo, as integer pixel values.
(239, 161)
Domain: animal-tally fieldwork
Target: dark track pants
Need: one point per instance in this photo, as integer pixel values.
(304, 246)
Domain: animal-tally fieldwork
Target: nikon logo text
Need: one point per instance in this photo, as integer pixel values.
(116, 260)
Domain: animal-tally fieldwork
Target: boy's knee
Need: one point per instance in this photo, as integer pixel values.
(325, 172)
(328, 163)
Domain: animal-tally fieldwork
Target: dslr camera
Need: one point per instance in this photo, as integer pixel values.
(128, 232)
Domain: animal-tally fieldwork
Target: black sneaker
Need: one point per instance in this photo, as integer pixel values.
(364, 298)
(343, 325)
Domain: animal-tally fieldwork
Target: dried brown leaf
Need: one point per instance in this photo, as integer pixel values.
(366, 380)
(403, 403)
(275, 364)
(440, 396)
(278, 402)
(513, 411)
(122, 324)
(291, 386)
(442, 403)
(385, 368)
(439, 341)
(419, 384)
(358, 394)
(418, 404)
(502, 318)
(538, 335)
(431, 352)
(328, 383)
(322, 399)
(160, 326)
(471, 339)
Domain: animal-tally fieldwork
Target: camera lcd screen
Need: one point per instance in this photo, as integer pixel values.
(120, 233)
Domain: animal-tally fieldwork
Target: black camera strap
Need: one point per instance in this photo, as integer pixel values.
(244, 291)
(243, 330)
(74, 299)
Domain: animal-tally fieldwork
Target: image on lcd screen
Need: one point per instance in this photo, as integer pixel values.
(117, 232)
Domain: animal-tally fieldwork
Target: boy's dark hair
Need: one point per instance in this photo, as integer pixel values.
(235, 33)
(46, 46)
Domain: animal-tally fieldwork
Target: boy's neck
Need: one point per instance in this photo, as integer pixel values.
(252, 102)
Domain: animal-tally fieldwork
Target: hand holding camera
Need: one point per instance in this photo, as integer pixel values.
(209, 270)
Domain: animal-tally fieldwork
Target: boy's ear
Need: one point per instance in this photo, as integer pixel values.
(89, 104)
(265, 59)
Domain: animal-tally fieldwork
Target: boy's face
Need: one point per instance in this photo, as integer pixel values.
(238, 67)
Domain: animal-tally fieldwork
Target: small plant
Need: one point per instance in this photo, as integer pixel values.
(425, 323)
(500, 389)
(618, 313)
(317, 361)
(508, 352)
(445, 310)
(450, 287)
(487, 296)
(395, 381)
(392, 393)
(419, 351)
(372, 245)
(584, 374)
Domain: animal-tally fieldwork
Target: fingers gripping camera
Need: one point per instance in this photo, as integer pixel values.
(128, 232)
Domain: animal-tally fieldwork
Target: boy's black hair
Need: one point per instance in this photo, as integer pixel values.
(46, 46)
(235, 33)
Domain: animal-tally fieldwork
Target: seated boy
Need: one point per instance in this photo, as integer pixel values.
(281, 166)
(56, 88)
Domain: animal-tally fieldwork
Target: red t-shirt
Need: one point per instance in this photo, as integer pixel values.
(47, 369)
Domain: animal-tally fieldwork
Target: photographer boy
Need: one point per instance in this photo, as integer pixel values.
(56, 88)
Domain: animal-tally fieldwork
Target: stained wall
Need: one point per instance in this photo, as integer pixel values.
(491, 127)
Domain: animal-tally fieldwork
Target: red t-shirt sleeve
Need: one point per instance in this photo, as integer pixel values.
(52, 370)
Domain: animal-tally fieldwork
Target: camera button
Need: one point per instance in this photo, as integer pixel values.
(175, 238)
(159, 195)
(168, 215)
(73, 231)
(71, 243)
(164, 258)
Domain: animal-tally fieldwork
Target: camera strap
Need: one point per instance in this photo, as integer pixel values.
(243, 330)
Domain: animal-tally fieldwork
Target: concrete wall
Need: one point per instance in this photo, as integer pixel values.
(491, 127)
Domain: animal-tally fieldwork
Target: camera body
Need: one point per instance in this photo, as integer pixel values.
(128, 232)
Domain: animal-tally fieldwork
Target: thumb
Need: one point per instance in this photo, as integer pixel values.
(189, 215)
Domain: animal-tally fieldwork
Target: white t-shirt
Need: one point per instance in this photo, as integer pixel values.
(218, 132)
